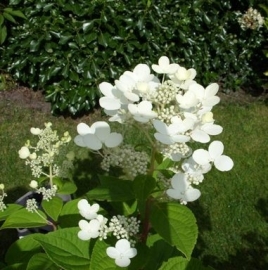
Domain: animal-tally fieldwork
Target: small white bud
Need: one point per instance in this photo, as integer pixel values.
(24, 152)
(2, 186)
(35, 131)
(33, 156)
(33, 184)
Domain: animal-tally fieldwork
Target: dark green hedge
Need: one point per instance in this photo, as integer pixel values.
(67, 47)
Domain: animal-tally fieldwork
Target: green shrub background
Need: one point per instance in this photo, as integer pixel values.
(67, 47)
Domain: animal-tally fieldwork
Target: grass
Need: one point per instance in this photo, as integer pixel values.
(232, 213)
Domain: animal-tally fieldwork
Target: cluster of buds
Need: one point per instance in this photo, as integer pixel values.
(252, 19)
(43, 157)
(96, 226)
(2, 196)
(126, 157)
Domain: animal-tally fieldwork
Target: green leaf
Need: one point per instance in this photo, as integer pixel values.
(102, 40)
(1, 19)
(9, 17)
(87, 26)
(99, 258)
(69, 216)
(112, 189)
(16, 13)
(22, 250)
(41, 261)
(65, 249)
(9, 210)
(16, 266)
(25, 219)
(3, 34)
(160, 251)
(143, 185)
(53, 207)
(176, 224)
(183, 264)
(67, 188)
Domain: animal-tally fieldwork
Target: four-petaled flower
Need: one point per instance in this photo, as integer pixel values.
(142, 112)
(122, 252)
(214, 154)
(95, 136)
(86, 210)
(89, 229)
(164, 66)
(182, 190)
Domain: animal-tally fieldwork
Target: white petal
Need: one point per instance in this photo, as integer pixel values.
(83, 129)
(200, 136)
(109, 103)
(122, 262)
(122, 245)
(102, 130)
(78, 140)
(82, 204)
(215, 149)
(106, 89)
(192, 194)
(130, 253)
(179, 182)
(113, 140)
(211, 90)
(131, 96)
(92, 142)
(211, 101)
(83, 224)
(201, 157)
(84, 235)
(212, 129)
(133, 108)
(173, 193)
(112, 252)
(180, 138)
(165, 139)
(224, 163)
(160, 126)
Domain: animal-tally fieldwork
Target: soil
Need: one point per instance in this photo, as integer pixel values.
(27, 98)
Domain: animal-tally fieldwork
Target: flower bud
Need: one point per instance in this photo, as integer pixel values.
(33, 184)
(24, 152)
(35, 131)
(33, 156)
(207, 117)
(48, 124)
(2, 186)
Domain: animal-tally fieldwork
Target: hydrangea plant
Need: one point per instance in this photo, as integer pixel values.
(138, 219)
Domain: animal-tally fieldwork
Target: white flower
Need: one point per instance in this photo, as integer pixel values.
(24, 152)
(142, 112)
(183, 74)
(95, 136)
(182, 190)
(35, 131)
(89, 229)
(113, 97)
(122, 253)
(169, 134)
(86, 210)
(206, 96)
(214, 154)
(187, 100)
(164, 66)
(2, 186)
(33, 184)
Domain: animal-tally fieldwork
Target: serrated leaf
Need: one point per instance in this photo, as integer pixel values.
(69, 216)
(41, 261)
(176, 224)
(112, 189)
(24, 219)
(9, 210)
(183, 264)
(99, 258)
(143, 185)
(53, 207)
(22, 250)
(65, 249)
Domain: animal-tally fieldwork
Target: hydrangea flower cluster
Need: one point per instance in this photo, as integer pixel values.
(97, 226)
(126, 157)
(180, 111)
(43, 156)
(2, 196)
(251, 19)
